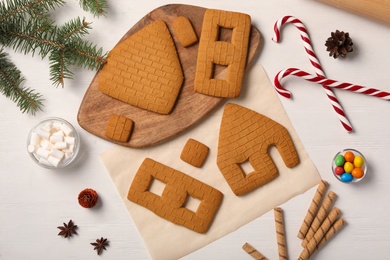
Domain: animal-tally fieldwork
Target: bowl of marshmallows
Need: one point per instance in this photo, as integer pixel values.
(53, 143)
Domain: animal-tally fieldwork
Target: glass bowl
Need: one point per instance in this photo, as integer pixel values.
(349, 166)
(53, 143)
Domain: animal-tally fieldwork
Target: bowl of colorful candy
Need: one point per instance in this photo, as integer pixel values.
(349, 165)
(53, 143)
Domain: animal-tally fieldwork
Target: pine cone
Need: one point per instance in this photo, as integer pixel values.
(339, 44)
(88, 198)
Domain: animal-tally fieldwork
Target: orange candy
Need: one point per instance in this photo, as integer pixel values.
(349, 156)
(357, 172)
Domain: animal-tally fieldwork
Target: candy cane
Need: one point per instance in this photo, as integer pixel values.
(327, 82)
(314, 61)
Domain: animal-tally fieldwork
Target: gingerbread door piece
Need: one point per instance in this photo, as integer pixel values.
(247, 135)
(214, 51)
(171, 204)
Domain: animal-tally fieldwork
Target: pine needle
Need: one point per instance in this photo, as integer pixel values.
(96, 7)
(10, 85)
(26, 26)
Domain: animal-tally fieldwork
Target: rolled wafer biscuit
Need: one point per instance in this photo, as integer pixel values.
(334, 229)
(320, 217)
(253, 252)
(280, 234)
(316, 239)
(313, 209)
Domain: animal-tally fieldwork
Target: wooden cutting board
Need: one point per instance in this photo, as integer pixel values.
(151, 128)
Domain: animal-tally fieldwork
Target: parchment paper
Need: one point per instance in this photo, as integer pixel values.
(165, 240)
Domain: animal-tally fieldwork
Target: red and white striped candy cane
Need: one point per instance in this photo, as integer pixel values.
(315, 62)
(327, 82)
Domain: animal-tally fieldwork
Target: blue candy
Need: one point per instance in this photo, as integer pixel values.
(346, 177)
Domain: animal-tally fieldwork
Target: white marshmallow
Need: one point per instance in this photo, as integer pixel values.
(31, 148)
(43, 153)
(70, 139)
(67, 130)
(53, 161)
(59, 132)
(44, 161)
(56, 138)
(35, 139)
(56, 153)
(68, 155)
(47, 127)
(70, 149)
(56, 126)
(45, 144)
(60, 145)
(43, 133)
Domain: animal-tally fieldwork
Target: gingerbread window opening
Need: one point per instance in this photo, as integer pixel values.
(157, 187)
(246, 167)
(225, 34)
(191, 203)
(219, 71)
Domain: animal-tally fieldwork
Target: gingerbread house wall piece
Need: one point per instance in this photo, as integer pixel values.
(247, 135)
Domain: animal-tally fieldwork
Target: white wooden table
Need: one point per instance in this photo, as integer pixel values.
(34, 201)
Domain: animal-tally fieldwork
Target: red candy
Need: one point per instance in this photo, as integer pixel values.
(339, 170)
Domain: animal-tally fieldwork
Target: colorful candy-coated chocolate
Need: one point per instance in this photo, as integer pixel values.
(357, 173)
(346, 177)
(339, 170)
(339, 160)
(348, 167)
(358, 161)
(349, 156)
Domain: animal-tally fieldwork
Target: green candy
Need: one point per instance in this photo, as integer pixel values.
(339, 160)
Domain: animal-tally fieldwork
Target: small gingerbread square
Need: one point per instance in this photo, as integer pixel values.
(184, 31)
(194, 153)
(119, 128)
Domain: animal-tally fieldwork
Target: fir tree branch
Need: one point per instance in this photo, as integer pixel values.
(59, 68)
(74, 28)
(11, 8)
(10, 86)
(29, 36)
(96, 7)
(85, 54)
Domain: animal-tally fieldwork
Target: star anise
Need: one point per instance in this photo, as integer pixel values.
(68, 229)
(100, 245)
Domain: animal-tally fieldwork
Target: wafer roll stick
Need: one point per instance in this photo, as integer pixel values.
(280, 234)
(320, 233)
(253, 252)
(334, 229)
(313, 209)
(320, 217)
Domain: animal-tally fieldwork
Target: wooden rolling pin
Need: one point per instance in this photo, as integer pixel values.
(378, 10)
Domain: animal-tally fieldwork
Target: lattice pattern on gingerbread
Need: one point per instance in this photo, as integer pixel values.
(184, 31)
(119, 128)
(144, 70)
(194, 153)
(232, 54)
(248, 135)
(170, 205)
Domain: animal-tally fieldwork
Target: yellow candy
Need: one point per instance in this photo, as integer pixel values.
(348, 167)
(358, 161)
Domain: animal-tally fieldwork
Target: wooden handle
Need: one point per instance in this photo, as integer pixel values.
(378, 10)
